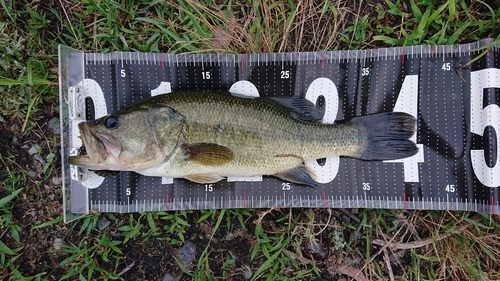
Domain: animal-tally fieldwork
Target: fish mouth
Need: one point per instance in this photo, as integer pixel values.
(99, 148)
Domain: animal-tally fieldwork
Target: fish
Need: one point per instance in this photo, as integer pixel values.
(206, 136)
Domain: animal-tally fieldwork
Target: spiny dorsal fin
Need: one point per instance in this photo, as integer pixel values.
(209, 154)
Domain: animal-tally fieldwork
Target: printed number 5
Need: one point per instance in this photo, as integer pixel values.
(480, 119)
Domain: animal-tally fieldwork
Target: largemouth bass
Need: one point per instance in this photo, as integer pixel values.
(207, 136)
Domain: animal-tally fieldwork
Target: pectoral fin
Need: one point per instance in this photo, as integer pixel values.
(300, 175)
(204, 178)
(208, 154)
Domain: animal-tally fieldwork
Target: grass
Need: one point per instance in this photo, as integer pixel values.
(248, 244)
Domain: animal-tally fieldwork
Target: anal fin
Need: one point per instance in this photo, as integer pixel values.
(299, 175)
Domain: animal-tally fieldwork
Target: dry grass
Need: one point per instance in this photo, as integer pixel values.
(269, 26)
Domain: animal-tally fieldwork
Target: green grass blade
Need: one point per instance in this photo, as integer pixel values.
(9, 197)
(452, 10)
(6, 250)
(453, 38)
(416, 11)
(266, 265)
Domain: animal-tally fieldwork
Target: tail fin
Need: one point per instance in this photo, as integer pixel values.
(387, 135)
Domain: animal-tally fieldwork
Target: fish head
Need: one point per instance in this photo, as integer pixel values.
(134, 139)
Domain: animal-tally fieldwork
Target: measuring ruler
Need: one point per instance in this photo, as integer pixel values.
(458, 113)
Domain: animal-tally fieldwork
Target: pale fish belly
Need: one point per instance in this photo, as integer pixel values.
(178, 166)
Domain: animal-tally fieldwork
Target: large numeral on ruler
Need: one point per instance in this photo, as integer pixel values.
(408, 102)
(326, 88)
(163, 88)
(480, 119)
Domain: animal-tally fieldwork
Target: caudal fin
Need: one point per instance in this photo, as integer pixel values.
(387, 135)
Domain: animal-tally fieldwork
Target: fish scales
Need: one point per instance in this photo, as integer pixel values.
(262, 136)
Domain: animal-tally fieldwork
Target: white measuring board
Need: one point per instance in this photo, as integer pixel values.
(458, 113)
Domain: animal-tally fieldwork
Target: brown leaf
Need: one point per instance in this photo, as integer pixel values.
(353, 272)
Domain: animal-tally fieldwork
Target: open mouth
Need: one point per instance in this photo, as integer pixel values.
(82, 151)
(97, 149)
(98, 146)
(92, 147)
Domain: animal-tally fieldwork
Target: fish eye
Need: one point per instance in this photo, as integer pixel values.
(111, 122)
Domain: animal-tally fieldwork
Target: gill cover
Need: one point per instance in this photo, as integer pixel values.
(166, 126)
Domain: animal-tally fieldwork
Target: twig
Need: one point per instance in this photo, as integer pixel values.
(126, 269)
(416, 244)
(326, 224)
(261, 216)
(349, 214)
(69, 21)
(388, 264)
(384, 246)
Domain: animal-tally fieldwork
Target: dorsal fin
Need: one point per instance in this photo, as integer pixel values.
(300, 108)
